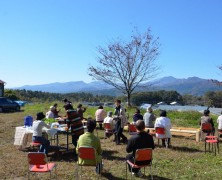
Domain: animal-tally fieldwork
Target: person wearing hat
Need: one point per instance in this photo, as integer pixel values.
(149, 118)
(90, 140)
(109, 120)
(67, 104)
(50, 113)
(38, 124)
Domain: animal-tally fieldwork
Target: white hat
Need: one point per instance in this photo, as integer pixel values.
(52, 108)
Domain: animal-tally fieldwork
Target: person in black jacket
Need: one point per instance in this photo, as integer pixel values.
(139, 141)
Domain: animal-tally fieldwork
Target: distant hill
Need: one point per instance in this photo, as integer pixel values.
(192, 85)
(67, 87)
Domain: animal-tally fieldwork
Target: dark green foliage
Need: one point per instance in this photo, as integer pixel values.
(154, 97)
(38, 96)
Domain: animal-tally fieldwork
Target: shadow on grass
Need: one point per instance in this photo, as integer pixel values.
(107, 154)
(59, 156)
(184, 149)
(156, 178)
(108, 175)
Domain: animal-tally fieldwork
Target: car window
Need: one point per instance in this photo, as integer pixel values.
(8, 100)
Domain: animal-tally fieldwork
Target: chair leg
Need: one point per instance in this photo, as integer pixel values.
(55, 173)
(166, 142)
(77, 173)
(151, 171)
(215, 149)
(205, 147)
(126, 170)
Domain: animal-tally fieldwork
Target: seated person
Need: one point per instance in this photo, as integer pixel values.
(207, 119)
(100, 115)
(139, 141)
(137, 116)
(89, 139)
(38, 124)
(80, 111)
(56, 112)
(50, 113)
(164, 122)
(149, 118)
(109, 120)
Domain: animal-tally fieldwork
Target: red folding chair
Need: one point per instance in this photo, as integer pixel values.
(161, 131)
(38, 163)
(35, 145)
(132, 129)
(141, 155)
(86, 153)
(206, 128)
(108, 130)
(214, 141)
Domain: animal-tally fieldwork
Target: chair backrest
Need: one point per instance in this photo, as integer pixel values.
(160, 130)
(107, 126)
(37, 158)
(87, 153)
(206, 127)
(143, 154)
(131, 128)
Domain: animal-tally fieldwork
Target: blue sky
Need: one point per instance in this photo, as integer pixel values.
(48, 41)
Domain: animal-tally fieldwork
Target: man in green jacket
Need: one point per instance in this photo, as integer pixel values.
(90, 140)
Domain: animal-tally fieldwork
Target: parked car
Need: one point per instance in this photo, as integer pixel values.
(8, 105)
(21, 103)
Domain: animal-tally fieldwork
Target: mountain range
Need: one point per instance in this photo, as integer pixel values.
(192, 85)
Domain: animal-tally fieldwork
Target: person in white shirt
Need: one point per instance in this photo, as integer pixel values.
(50, 113)
(165, 123)
(37, 126)
(109, 119)
(219, 121)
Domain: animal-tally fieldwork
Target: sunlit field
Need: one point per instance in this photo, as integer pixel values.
(186, 158)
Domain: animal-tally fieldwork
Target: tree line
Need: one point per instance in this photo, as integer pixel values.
(212, 98)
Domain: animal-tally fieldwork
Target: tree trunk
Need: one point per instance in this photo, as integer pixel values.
(128, 99)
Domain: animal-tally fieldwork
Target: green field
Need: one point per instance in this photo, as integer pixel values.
(185, 160)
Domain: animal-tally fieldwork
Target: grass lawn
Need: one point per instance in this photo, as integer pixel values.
(185, 160)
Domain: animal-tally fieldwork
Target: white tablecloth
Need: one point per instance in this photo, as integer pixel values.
(23, 135)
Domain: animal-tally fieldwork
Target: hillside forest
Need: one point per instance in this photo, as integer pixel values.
(211, 98)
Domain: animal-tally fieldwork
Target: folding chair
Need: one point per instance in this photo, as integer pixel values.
(214, 141)
(132, 129)
(141, 155)
(161, 131)
(38, 163)
(206, 128)
(108, 130)
(219, 134)
(86, 153)
(35, 145)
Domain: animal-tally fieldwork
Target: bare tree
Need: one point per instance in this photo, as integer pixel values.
(219, 83)
(125, 65)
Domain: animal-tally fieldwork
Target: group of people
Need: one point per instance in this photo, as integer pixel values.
(151, 121)
(73, 118)
(117, 119)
